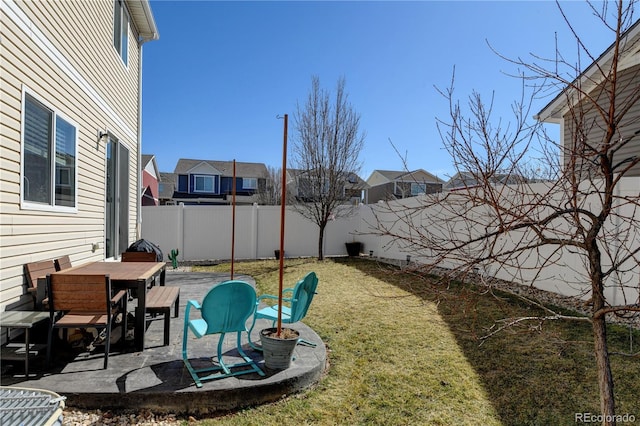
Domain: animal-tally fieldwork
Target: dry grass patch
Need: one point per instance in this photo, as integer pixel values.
(403, 352)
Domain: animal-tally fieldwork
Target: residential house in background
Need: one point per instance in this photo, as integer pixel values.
(211, 182)
(562, 111)
(301, 185)
(462, 180)
(150, 179)
(166, 187)
(387, 185)
(70, 132)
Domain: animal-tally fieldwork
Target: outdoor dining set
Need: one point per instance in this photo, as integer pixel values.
(92, 295)
(97, 295)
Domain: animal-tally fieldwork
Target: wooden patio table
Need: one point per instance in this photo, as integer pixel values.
(129, 275)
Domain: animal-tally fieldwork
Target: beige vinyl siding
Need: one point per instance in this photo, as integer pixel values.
(86, 40)
(628, 81)
(81, 32)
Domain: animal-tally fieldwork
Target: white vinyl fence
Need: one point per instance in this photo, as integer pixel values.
(203, 233)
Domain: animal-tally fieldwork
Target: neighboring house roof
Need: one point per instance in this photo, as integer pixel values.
(592, 76)
(168, 185)
(150, 178)
(380, 177)
(355, 182)
(142, 18)
(146, 159)
(352, 180)
(257, 170)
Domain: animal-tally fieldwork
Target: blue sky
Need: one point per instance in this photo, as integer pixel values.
(221, 72)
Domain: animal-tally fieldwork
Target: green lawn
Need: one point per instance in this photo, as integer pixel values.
(403, 351)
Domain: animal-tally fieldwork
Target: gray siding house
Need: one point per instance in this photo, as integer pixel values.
(387, 185)
(570, 112)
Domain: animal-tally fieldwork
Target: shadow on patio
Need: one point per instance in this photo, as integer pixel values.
(157, 378)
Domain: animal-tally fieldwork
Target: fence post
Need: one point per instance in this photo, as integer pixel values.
(181, 228)
(254, 230)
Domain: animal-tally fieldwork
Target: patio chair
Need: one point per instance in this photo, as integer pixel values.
(225, 309)
(83, 301)
(36, 270)
(141, 256)
(63, 262)
(138, 256)
(295, 309)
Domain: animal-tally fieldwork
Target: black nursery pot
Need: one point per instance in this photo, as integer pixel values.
(353, 249)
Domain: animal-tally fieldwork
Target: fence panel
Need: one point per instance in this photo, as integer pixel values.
(204, 233)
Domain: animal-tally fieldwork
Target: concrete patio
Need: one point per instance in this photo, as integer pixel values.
(157, 378)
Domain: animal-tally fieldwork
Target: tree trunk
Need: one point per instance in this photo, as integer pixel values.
(605, 379)
(320, 241)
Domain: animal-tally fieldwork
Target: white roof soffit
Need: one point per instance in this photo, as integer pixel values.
(142, 17)
(630, 48)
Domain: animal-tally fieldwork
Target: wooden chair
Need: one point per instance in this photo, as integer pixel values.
(138, 256)
(36, 270)
(83, 301)
(142, 256)
(62, 263)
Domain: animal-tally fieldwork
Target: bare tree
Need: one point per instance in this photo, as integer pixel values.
(585, 219)
(327, 142)
(271, 193)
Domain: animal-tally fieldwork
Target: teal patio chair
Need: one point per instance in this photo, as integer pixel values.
(225, 309)
(295, 309)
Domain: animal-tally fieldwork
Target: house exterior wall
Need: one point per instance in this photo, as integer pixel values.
(150, 181)
(380, 192)
(395, 190)
(62, 54)
(628, 81)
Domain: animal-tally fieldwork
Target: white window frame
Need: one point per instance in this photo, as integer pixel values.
(204, 177)
(51, 206)
(121, 31)
(249, 183)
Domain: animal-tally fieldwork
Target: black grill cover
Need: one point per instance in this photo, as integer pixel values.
(146, 246)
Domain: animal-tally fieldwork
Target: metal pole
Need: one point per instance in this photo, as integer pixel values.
(282, 211)
(233, 216)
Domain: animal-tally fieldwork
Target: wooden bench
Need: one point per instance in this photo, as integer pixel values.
(38, 271)
(159, 301)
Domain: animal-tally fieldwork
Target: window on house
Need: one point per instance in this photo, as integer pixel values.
(183, 183)
(249, 183)
(48, 158)
(418, 188)
(203, 183)
(121, 29)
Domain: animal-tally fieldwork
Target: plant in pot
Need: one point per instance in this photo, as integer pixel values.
(278, 343)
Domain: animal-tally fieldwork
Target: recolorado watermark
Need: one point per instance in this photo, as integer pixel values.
(600, 418)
